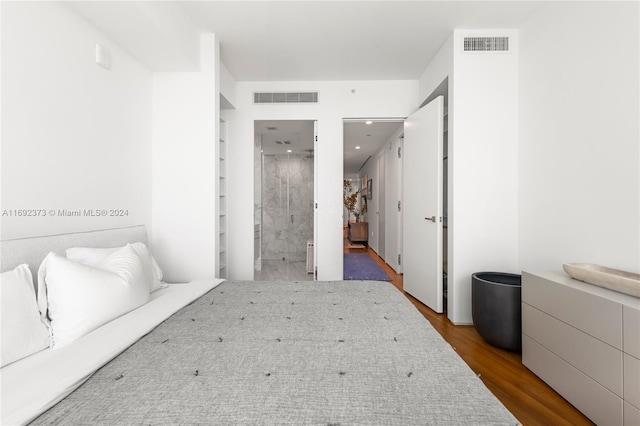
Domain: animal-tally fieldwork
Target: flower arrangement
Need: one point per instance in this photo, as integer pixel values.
(350, 198)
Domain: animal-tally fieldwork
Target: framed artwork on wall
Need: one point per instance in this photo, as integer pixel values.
(370, 189)
(364, 182)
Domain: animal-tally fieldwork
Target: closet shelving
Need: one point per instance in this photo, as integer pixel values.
(445, 236)
(222, 253)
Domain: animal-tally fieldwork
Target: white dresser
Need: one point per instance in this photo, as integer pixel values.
(584, 342)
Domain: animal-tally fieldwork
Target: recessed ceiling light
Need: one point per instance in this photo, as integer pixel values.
(288, 150)
(357, 147)
(369, 122)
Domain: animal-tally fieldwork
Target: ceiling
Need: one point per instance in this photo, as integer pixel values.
(342, 40)
(299, 40)
(281, 136)
(302, 41)
(369, 137)
(293, 135)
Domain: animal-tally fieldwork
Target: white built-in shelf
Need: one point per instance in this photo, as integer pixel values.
(222, 207)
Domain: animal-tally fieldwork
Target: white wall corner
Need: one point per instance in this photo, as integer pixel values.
(227, 88)
(185, 131)
(483, 159)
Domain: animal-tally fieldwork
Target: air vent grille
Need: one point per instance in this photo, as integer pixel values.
(285, 97)
(486, 44)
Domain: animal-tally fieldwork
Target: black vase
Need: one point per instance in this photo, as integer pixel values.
(496, 308)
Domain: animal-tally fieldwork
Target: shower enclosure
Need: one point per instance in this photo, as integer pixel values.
(284, 214)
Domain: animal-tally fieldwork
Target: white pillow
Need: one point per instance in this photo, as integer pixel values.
(95, 256)
(80, 298)
(22, 331)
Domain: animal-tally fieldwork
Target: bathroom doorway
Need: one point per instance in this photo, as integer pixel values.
(283, 199)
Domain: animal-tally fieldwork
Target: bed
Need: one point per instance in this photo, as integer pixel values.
(244, 352)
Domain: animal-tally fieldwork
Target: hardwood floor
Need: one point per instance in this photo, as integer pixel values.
(522, 392)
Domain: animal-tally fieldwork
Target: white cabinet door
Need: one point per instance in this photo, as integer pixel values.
(422, 199)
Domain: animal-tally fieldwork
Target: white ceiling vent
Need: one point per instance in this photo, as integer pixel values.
(486, 44)
(285, 97)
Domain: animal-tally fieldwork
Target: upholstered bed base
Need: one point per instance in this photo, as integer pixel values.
(33, 250)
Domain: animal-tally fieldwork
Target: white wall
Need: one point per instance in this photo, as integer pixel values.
(483, 157)
(336, 101)
(579, 136)
(158, 33)
(185, 135)
(74, 135)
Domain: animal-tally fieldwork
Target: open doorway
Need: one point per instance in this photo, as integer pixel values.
(283, 199)
(425, 210)
(371, 167)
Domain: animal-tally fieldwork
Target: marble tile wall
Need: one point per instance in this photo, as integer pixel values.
(287, 206)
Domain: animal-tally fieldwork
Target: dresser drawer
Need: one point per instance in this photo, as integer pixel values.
(632, 380)
(596, 316)
(596, 402)
(631, 325)
(631, 415)
(596, 359)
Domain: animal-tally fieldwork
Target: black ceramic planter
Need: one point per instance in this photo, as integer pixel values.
(496, 308)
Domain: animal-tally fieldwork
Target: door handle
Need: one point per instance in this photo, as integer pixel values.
(291, 218)
(432, 219)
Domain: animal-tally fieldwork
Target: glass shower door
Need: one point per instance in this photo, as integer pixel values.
(287, 216)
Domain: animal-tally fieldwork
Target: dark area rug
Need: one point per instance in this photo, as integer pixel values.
(360, 266)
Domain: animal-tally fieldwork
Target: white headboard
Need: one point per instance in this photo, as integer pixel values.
(33, 250)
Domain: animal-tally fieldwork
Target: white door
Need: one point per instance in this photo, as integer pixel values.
(315, 200)
(422, 204)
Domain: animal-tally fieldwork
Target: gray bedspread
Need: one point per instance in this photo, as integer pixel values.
(287, 353)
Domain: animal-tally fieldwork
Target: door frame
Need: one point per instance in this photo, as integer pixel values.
(397, 224)
(315, 184)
